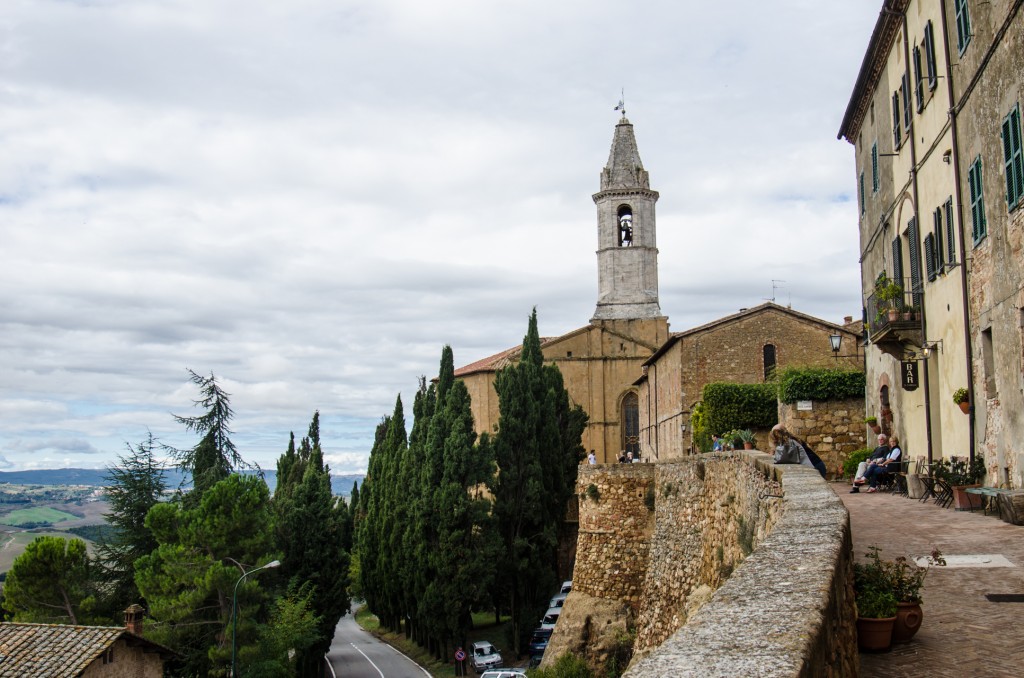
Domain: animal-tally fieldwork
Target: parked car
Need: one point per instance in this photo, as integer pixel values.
(504, 673)
(539, 641)
(485, 656)
(566, 586)
(558, 600)
(550, 618)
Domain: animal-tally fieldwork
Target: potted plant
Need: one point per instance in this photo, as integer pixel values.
(872, 422)
(961, 474)
(890, 294)
(961, 398)
(748, 438)
(876, 603)
(908, 579)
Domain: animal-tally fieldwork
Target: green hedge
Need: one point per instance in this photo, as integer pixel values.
(815, 383)
(725, 407)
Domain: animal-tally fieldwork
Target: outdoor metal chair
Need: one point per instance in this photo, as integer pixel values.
(943, 493)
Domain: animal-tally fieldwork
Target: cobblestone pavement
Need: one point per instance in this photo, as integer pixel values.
(963, 634)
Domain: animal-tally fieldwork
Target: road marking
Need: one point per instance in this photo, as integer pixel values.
(330, 666)
(368, 659)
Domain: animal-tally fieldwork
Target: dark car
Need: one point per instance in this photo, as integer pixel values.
(539, 641)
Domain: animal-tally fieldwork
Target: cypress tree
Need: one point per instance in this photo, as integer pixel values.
(536, 447)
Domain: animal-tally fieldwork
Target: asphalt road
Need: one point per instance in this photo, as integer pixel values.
(357, 654)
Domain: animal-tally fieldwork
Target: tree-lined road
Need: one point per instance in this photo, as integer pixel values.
(357, 654)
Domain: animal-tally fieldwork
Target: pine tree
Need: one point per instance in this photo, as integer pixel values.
(215, 456)
(50, 583)
(133, 487)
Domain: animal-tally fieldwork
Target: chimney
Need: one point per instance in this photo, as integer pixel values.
(133, 619)
(847, 320)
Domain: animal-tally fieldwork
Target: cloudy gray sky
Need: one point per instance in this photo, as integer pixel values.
(310, 198)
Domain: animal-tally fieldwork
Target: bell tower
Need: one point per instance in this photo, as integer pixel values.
(627, 249)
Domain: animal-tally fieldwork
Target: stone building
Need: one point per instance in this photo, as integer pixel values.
(935, 120)
(746, 347)
(600, 362)
(86, 651)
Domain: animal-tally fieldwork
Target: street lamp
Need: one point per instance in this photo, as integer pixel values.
(234, 608)
(835, 340)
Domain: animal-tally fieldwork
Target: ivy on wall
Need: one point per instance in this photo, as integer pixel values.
(816, 383)
(726, 407)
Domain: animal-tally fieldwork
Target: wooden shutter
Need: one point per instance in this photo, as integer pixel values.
(897, 260)
(918, 89)
(929, 55)
(914, 252)
(950, 232)
(896, 129)
(929, 256)
(905, 89)
(1013, 157)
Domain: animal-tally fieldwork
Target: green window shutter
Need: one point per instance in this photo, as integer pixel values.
(979, 228)
(874, 167)
(929, 256)
(905, 90)
(918, 90)
(1013, 156)
(950, 232)
(914, 252)
(896, 129)
(897, 260)
(862, 207)
(940, 250)
(929, 55)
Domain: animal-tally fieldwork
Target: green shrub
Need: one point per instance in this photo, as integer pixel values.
(853, 460)
(732, 407)
(567, 666)
(821, 384)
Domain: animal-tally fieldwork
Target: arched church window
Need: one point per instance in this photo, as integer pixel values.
(631, 424)
(769, 361)
(625, 226)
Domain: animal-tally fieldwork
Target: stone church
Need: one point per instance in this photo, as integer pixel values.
(604, 362)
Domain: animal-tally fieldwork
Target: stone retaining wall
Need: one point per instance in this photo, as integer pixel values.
(722, 564)
(833, 429)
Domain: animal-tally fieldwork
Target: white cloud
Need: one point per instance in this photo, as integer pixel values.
(310, 199)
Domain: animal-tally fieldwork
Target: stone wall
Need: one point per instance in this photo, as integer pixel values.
(715, 565)
(832, 429)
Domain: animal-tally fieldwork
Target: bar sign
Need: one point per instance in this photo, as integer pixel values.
(908, 368)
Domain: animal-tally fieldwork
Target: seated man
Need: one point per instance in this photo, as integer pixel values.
(887, 465)
(879, 454)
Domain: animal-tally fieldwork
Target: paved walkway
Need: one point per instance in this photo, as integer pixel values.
(963, 632)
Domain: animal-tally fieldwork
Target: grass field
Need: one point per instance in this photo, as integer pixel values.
(36, 514)
(484, 628)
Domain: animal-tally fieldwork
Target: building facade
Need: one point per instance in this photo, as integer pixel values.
(746, 347)
(935, 122)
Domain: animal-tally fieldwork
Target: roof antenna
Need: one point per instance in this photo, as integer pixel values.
(775, 286)
(622, 102)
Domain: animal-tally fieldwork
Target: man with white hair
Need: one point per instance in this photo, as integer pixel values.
(880, 453)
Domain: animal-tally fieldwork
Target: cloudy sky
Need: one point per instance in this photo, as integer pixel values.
(310, 198)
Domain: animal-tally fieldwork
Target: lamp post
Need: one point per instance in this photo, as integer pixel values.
(234, 608)
(835, 340)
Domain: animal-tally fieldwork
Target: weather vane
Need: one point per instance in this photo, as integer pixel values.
(622, 102)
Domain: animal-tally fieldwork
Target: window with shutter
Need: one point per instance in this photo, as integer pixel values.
(1013, 158)
(897, 260)
(937, 240)
(963, 26)
(950, 232)
(929, 256)
(914, 253)
(897, 131)
(905, 89)
(929, 55)
(918, 89)
(979, 229)
(862, 208)
(874, 167)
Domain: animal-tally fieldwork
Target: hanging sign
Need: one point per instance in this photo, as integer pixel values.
(908, 368)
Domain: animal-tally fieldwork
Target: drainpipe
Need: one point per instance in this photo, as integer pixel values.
(958, 187)
(917, 220)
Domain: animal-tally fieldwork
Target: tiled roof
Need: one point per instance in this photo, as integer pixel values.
(55, 650)
(497, 361)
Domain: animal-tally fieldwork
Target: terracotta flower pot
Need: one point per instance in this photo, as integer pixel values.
(875, 428)
(908, 620)
(874, 635)
(748, 446)
(965, 407)
(964, 501)
(893, 314)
